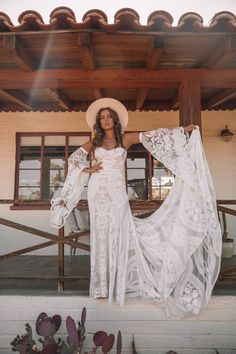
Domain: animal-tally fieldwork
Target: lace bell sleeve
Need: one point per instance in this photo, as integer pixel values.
(169, 146)
(76, 179)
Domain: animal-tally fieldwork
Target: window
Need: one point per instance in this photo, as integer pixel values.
(162, 180)
(138, 172)
(147, 178)
(41, 167)
(42, 163)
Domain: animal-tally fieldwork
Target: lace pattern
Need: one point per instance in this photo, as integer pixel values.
(69, 196)
(168, 146)
(192, 240)
(173, 256)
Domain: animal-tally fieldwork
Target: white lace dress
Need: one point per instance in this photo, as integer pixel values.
(173, 256)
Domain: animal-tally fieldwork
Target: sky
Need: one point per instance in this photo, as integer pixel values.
(205, 8)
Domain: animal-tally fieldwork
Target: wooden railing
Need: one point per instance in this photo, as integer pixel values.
(227, 273)
(71, 239)
(60, 240)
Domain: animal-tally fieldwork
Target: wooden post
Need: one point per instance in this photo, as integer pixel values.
(190, 103)
(60, 260)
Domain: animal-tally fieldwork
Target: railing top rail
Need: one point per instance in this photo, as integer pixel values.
(226, 210)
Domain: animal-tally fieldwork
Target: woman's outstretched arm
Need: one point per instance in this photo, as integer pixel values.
(133, 138)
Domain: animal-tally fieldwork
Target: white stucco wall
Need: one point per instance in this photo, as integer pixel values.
(221, 157)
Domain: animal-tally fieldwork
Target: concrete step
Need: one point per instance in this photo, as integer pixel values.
(154, 333)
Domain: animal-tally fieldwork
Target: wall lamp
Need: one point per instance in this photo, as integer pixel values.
(226, 135)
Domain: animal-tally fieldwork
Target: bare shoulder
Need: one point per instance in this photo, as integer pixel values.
(130, 139)
(88, 146)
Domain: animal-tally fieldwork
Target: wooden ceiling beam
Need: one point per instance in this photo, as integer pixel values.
(221, 97)
(129, 74)
(175, 101)
(154, 59)
(190, 103)
(155, 54)
(86, 51)
(16, 97)
(141, 96)
(19, 55)
(111, 79)
(60, 98)
(152, 63)
(224, 53)
(90, 84)
(98, 94)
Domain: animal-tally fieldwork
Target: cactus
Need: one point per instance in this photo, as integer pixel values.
(99, 338)
(134, 351)
(73, 338)
(50, 349)
(108, 343)
(25, 343)
(81, 328)
(47, 327)
(83, 316)
(119, 343)
(76, 337)
(102, 339)
(20, 344)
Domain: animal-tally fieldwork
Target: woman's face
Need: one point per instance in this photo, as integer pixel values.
(106, 119)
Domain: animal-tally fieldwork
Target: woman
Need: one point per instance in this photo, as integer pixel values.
(172, 257)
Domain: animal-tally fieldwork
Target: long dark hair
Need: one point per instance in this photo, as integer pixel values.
(99, 132)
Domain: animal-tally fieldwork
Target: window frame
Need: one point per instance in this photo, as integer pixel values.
(41, 203)
(44, 204)
(148, 168)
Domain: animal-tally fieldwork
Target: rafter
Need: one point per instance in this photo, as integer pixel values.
(221, 97)
(225, 52)
(16, 97)
(152, 63)
(85, 51)
(60, 98)
(98, 94)
(17, 53)
(141, 96)
(155, 54)
(175, 101)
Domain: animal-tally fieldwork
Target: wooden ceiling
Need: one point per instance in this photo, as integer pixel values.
(65, 65)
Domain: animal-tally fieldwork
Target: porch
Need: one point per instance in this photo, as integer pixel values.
(21, 271)
(31, 284)
(37, 275)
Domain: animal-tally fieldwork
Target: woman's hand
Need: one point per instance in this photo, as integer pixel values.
(95, 168)
(189, 128)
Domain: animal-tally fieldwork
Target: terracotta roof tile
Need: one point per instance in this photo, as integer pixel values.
(125, 19)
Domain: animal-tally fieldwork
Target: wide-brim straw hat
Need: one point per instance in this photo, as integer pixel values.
(107, 102)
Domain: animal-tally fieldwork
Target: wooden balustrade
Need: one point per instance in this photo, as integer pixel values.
(142, 208)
